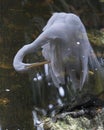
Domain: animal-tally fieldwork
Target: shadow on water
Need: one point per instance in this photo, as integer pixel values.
(20, 23)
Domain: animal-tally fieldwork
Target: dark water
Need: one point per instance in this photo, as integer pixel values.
(21, 21)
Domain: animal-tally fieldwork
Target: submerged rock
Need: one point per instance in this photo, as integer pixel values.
(80, 123)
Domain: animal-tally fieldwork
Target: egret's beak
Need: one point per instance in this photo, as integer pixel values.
(37, 64)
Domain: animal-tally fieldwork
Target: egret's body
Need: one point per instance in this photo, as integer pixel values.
(67, 49)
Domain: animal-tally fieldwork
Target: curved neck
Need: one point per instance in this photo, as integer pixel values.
(29, 48)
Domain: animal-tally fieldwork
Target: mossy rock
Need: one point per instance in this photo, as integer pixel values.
(80, 123)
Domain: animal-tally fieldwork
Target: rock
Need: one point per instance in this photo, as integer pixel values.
(80, 123)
